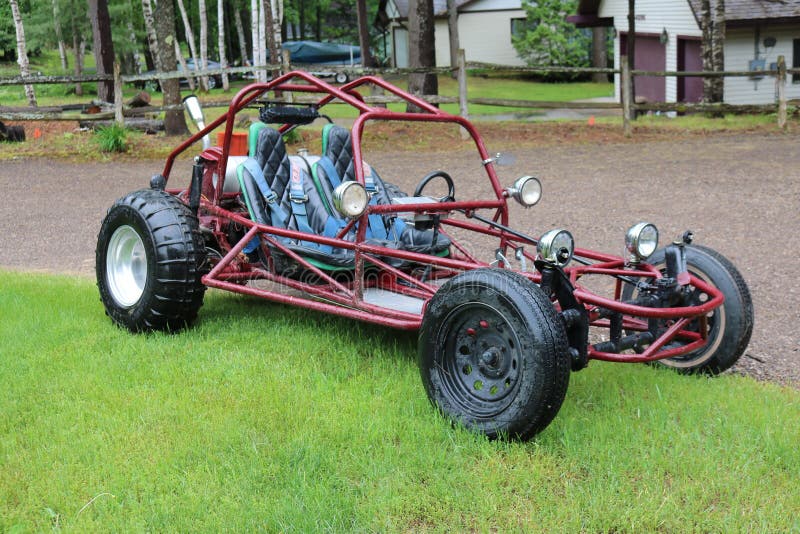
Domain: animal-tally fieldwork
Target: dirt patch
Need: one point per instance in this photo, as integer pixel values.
(738, 193)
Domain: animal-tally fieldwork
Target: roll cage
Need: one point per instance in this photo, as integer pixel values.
(378, 292)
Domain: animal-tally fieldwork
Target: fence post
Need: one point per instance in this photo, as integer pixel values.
(118, 117)
(780, 82)
(627, 100)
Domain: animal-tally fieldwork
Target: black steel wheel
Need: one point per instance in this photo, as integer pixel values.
(149, 262)
(493, 354)
(729, 326)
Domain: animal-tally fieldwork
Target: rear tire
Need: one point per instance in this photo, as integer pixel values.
(149, 262)
(730, 325)
(493, 354)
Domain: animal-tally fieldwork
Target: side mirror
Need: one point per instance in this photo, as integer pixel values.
(501, 159)
(192, 105)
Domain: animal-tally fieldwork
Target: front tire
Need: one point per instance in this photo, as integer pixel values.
(493, 354)
(730, 325)
(149, 262)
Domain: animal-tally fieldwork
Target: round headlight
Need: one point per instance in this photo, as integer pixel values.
(350, 199)
(641, 240)
(526, 190)
(556, 246)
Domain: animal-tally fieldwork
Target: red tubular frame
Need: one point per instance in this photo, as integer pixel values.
(346, 298)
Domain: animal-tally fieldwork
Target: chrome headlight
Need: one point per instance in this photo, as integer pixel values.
(527, 190)
(556, 246)
(350, 199)
(641, 241)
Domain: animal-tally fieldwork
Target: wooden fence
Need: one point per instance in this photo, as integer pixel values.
(628, 107)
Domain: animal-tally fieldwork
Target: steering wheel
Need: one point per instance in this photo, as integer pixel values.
(451, 188)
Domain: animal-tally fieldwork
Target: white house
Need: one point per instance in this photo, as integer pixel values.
(484, 30)
(668, 37)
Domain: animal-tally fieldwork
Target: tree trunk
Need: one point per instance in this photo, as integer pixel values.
(187, 31)
(203, 43)
(599, 54)
(422, 48)
(263, 50)
(184, 66)
(631, 49)
(452, 28)
(223, 60)
(62, 48)
(718, 50)
(22, 53)
(301, 11)
(256, 10)
(152, 39)
(268, 24)
(103, 47)
(363, 34)
(78, 46)
(237, 20)
(707, 49)
(164, 18)
(318, 23)
(137, 57)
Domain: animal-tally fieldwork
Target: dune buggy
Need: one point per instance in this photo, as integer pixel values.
(498, 334)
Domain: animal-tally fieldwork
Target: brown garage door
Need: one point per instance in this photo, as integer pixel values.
(650, 55)
(689, 59)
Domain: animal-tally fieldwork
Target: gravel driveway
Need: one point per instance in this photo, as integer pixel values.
(739, 194)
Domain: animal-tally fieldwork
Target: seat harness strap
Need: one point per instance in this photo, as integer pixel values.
(277, 215)
(377, 228)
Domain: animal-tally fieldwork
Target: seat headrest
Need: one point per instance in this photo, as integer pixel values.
(337, 145)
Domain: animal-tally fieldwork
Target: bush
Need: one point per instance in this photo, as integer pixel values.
(112, 138)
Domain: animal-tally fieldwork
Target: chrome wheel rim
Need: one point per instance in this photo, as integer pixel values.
(126, 266)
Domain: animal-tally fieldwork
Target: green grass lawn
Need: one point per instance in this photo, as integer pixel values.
(267, 418)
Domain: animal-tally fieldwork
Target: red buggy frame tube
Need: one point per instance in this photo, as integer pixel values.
(652, 352)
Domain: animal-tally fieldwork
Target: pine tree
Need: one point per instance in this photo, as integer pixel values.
(548, 39)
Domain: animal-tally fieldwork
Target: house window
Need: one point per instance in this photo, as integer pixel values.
(518, 27)
(796, 59)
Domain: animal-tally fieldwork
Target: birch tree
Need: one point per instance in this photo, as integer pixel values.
(718, 50)
(712, 24)
(223, 61)
(203, 43)
(187, 30)
(22, 53)
(184, 66)
(62, 48)
(150, 30)
(256, 15)
(237, 20)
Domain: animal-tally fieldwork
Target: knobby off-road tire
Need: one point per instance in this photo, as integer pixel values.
(730, 325)
(493, 354)
(149, 261)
